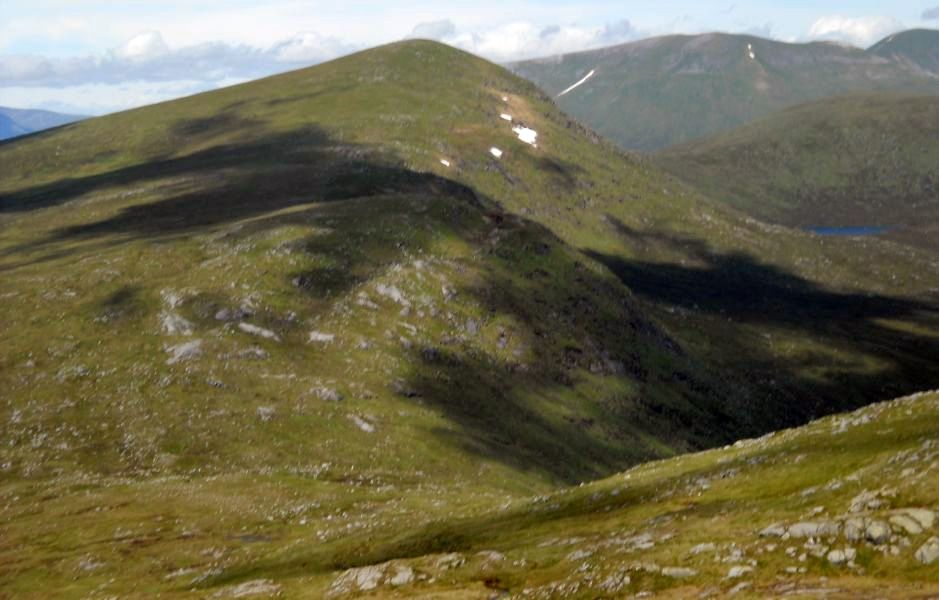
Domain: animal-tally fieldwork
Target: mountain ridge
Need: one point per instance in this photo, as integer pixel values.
(663, 91)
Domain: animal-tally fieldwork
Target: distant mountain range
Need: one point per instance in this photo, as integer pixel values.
(669, 90)
(853, 161)
(15, 122)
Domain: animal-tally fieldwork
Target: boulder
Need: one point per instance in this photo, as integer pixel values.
(739, 571)
(184, 352)
(877, 532)
(678, 572)
(928, 552)
(258, 331)
(907, 524)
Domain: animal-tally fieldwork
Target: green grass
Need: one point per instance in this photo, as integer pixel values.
(866, 160)
(502, 328)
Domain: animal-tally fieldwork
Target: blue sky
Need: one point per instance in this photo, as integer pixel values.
(96, 56)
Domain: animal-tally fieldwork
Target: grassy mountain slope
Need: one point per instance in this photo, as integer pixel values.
(866, 160)
(845, 507)
(15, 122)
(669, 90)
(918, 48)
(269, 317)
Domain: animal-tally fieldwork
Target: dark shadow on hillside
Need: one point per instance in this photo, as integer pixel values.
(571, 324)
(490, 404)
(736, 290)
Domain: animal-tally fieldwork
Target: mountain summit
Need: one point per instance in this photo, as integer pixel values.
(661, 91)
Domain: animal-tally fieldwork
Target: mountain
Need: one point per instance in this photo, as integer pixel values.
(917, 49)
(669, 90)
(317, 312)
(858, 161)
(17, 121)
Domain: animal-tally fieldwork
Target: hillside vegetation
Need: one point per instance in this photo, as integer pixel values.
(270, 320)
(658, 92)
(858, 161)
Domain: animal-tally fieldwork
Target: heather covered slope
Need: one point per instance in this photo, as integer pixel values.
(270, 317)
(855, 161)
(658, 92)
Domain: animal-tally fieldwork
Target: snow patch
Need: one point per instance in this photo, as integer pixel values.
(529, 136)
(495, 152)
(445, 162)
(506, 117)
(579, 83)
(750, 52)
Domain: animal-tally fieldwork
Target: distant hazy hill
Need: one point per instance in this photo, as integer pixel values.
(661, 91)
(859, 161)
(917, 48)
(17, 121)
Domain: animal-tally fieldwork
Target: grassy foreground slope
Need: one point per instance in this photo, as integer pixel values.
(845, 507)
(868, 160)
(654, 93)
(270, 318)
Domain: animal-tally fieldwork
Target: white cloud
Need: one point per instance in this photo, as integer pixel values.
(931, 14)
(861, 31)
(434, 30)
(524, 39)
(143, 46)
(146, 57)
(310, 47)
(103, 98)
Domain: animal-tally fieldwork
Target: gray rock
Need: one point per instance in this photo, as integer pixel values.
(258, 331)
(173, 324)
(929, 552)
(321, 338)
(678, 572)
(804, 530)
(739, 571)
(877, 532)
(184, 352)
(702, 548)
(907, 524)
(854, 529)
(362, 424)
(926, 518)
(257, 587)
(403, 576)
(449, 561)
(774, 530)
(266, 413)
(327, 394)
(362, 579)
(837, 557)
